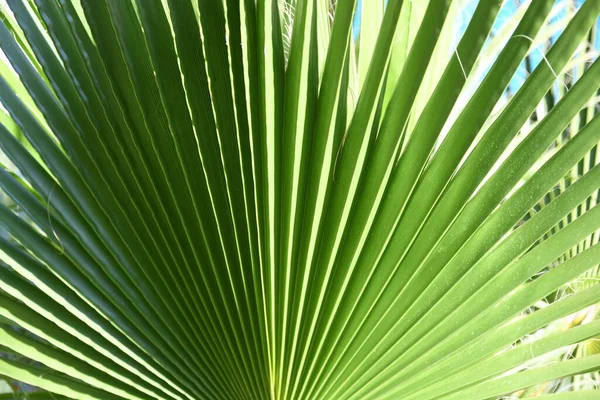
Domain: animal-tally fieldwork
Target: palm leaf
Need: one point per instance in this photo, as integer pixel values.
(242, 200)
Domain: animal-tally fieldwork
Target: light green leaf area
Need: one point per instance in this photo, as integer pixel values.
(5, 387)
(249, 199)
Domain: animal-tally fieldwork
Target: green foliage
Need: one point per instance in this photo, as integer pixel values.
(237, 199)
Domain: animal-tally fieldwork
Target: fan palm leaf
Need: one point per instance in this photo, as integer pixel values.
(239, 199)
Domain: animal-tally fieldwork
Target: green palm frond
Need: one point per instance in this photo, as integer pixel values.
(241, 199)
